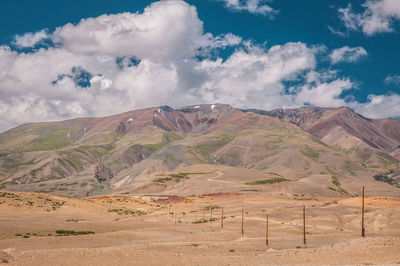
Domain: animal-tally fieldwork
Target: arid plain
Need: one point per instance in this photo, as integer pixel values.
(151, 186)
(153, 230)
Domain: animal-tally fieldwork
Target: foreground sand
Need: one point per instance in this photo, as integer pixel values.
(161, 238)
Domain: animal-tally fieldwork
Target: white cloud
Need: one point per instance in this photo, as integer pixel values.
(336, 32)
(165, 39)
(394, 79)
(378, 16)
(166, 30)
(129, 61)
(30, 39)
(347, 54)
(257, 7)
(324, 94)
(379, 106)
(255, 75)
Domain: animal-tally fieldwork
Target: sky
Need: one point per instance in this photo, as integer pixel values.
(67, 59)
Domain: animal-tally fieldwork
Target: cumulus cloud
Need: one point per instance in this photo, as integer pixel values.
(378, 16)
(324, 94)
(379, 106)
(115, 63)
(347, 54)
(166, 30)
(29, 40)
(255, 75)
(258, 7)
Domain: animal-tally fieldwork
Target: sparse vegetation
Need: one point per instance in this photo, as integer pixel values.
(128, 212)
(309, 152)
(175, 177)
(211, 207)
(385, 177)
(205, 221)
(350, 168)
(213, 145)
(386, 159)
(75, 220)
(8, 195)
(268, 181)
(335, 181)
(72, 233)
(168, 137)
(329, 203)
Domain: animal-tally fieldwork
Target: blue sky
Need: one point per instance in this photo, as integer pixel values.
(248, 53)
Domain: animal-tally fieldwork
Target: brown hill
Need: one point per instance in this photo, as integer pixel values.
(344, 127)
(132, 151)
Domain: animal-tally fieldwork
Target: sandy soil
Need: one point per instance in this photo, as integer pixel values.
(130, 231)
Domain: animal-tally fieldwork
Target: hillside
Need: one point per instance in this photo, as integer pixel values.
(344, 127)
(146, 151)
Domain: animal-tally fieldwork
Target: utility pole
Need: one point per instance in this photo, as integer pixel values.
(304, 224)
(242, 223)
(362, 215)
(266, 231)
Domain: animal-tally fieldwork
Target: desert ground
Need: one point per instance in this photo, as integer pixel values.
(150, 229)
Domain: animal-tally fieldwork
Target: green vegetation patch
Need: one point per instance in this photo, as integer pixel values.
(339, 190)
(94, 152)
(175, 177)
(168, 137)
(205, 221)
(268, 181)
(335, 181)
(330, 203)
(128, 212)
(206, 148)
(40, 137)
(211, 207)
(8, 195)
(72, 233)
(386, 159)
(384, 177)
(350, 168)
(75, 220)
(309, 152)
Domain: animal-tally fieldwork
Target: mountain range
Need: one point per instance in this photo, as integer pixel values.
(154, 150)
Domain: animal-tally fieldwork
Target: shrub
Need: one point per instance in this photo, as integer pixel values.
(72, 232)
(268, 181)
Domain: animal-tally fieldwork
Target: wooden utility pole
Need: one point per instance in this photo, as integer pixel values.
(362, 215)
(222, 217)
(175, 217)
(242, 223)
(266, 232)
(304, 224)
(211, 214)
(195, 220)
